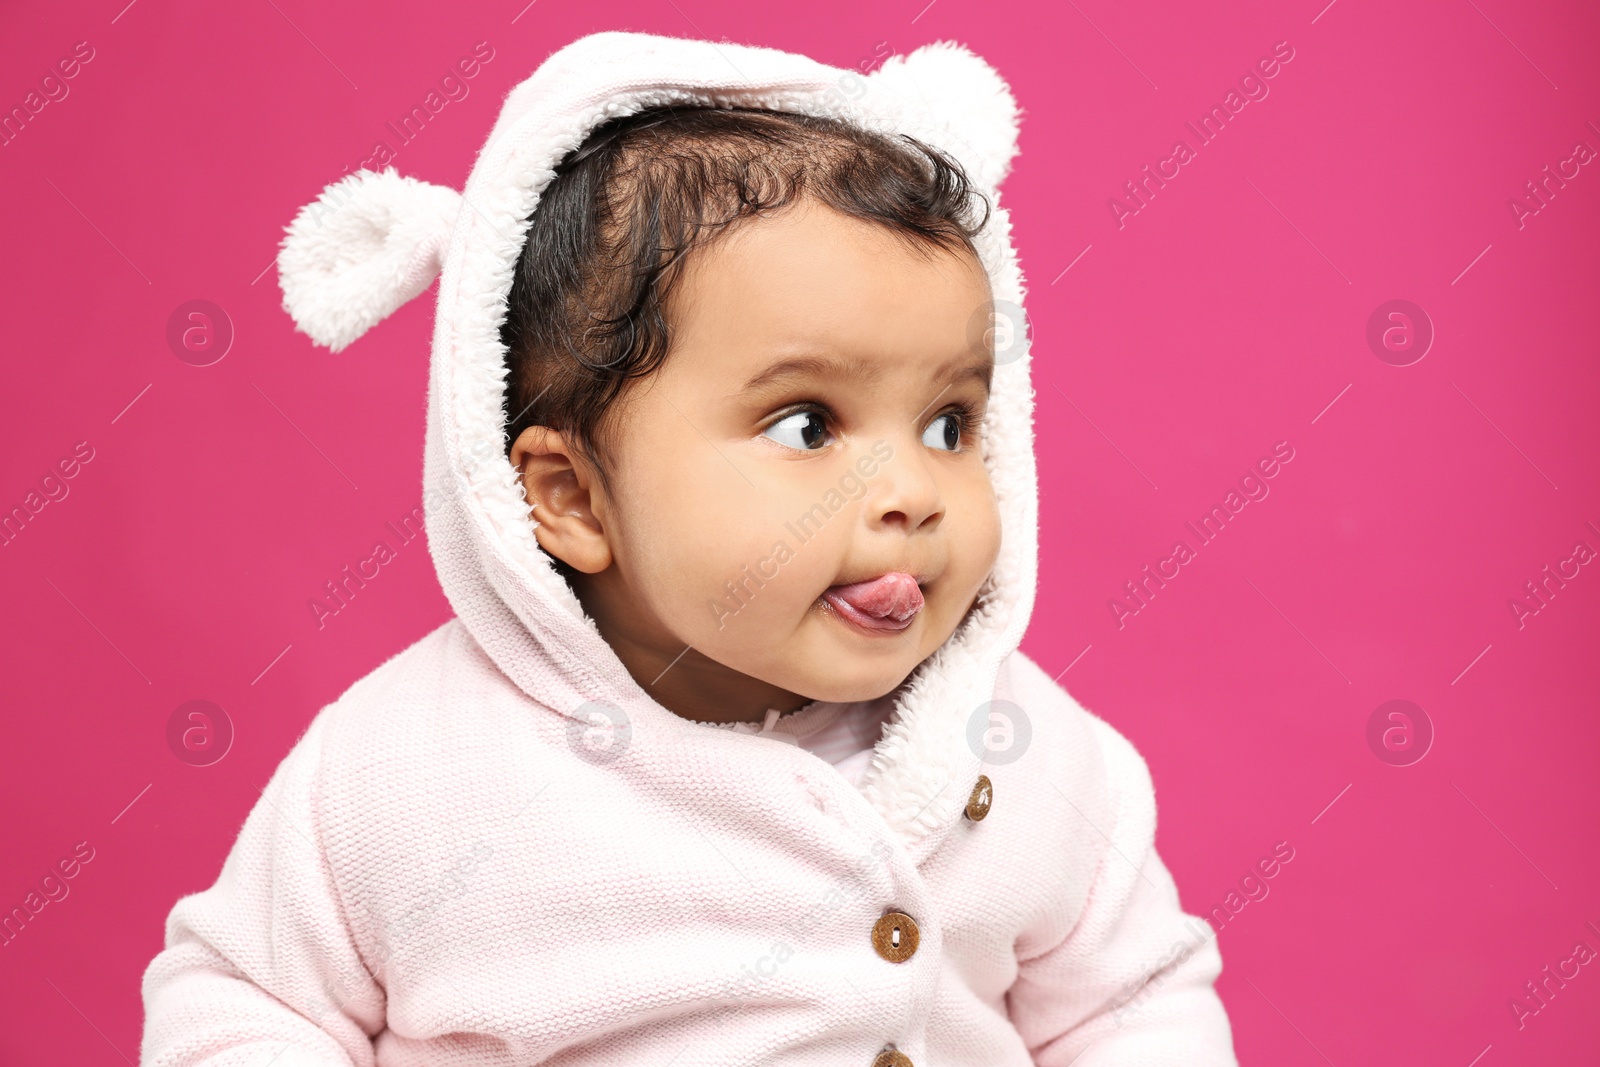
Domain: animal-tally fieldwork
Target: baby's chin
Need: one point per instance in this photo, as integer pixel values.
(850, 691)
(827, 660)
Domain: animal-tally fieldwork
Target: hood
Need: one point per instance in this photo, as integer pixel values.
(372, 241)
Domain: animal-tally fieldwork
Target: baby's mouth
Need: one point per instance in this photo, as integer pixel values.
(888, 602)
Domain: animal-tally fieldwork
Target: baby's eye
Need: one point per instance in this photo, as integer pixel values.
(944, 432)
(803, 430)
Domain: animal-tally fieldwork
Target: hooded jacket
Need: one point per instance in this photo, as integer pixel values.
(449, 868)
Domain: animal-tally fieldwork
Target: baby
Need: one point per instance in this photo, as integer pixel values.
(730, 756)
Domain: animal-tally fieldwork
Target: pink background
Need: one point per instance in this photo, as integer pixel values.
(1227, 315)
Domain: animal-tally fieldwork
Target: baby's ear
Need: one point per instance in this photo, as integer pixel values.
(560, 490)
(954, 100)
(368, 244)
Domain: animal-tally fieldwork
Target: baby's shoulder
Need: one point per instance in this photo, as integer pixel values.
(422, 769)
(1078, 750)
(415, 690)
(431, 716)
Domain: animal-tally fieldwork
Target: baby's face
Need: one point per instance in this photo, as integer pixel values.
(817, 423)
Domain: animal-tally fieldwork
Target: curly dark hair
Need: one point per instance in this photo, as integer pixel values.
(614, 227)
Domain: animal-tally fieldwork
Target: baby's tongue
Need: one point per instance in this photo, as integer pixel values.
(894, 595)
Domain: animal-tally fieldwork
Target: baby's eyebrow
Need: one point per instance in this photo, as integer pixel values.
(860, 370)
(981, 370)
(816, 367)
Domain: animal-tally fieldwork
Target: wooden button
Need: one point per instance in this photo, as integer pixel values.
(895, 936)
(892, 1057)
(981, 800)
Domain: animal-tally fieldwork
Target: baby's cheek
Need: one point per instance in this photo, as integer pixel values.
(994, 531)
(979, 534)
(726, 580)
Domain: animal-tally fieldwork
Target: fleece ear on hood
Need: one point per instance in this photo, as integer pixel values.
(371, 242)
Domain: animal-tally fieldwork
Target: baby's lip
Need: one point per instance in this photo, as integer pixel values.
(888, 602)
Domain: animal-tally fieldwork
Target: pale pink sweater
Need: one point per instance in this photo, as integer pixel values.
(497, 849)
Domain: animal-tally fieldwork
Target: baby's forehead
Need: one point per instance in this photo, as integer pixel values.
(832, 292)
